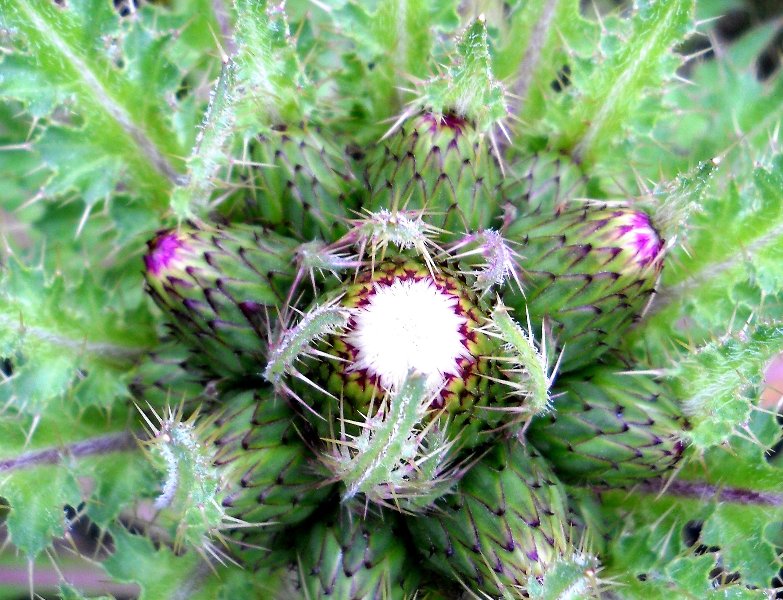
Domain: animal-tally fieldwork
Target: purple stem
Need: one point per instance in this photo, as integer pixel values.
(704, 491)
(115, 442)
(86, 579)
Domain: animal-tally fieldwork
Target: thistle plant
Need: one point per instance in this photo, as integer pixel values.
(391, 300)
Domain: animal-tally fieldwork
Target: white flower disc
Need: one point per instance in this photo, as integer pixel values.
(411, 323)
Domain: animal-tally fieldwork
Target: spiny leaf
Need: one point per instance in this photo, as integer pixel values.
(468, 86)
(72, 327)
(386, 441)
(716, 381)
(293, 344)
(37, 498)
(609, 91)
(191, 483)
(528, 361)
(117, 130)
(159, 572)
(209, 153)
(394, 41)
(729, 268)
(273, 84)
(536, 42)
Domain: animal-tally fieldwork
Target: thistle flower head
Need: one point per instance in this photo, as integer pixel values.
(317, 256)
(403, 317)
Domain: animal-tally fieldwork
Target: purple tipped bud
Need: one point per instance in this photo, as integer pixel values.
(634, 232)
(218, 287)
(163, 251)
(588, 271)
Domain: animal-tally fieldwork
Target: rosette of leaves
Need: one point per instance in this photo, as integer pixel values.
(120, 121)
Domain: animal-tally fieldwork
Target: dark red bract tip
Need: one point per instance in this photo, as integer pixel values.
(445, 121)
(162, 251)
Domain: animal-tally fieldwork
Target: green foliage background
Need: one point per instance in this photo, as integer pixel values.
(115, 123)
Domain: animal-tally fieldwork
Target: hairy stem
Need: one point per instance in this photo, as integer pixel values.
(114, 442)
(700, 490)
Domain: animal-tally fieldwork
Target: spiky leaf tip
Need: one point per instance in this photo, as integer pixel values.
(394, 460)
(468, 87)
(189, 491)
(318, 257)
(525, 361)
(500, 261)
(681, 198)
(372, 235)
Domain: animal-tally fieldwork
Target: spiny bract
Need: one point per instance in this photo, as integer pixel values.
(610, 427)
(505, 526)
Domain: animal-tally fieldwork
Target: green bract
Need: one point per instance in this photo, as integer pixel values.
(441, 164)
(610, 428)
(263, 456)
(505, 527)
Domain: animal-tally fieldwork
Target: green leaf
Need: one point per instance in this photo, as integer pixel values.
(400, 32)
(651, 559)
(729, 267)
(114, 129)
(273, 85)
(37, 498)
(533, 46)
(729, 527)
(120, 480)
(159, 573)
(46, 462)
(716, 381)
(392, 41)
(61, 333)
(609, 89)
(468, 85)
(727, 112)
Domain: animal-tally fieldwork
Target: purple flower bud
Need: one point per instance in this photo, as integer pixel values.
(163, 251)
(634, 232)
